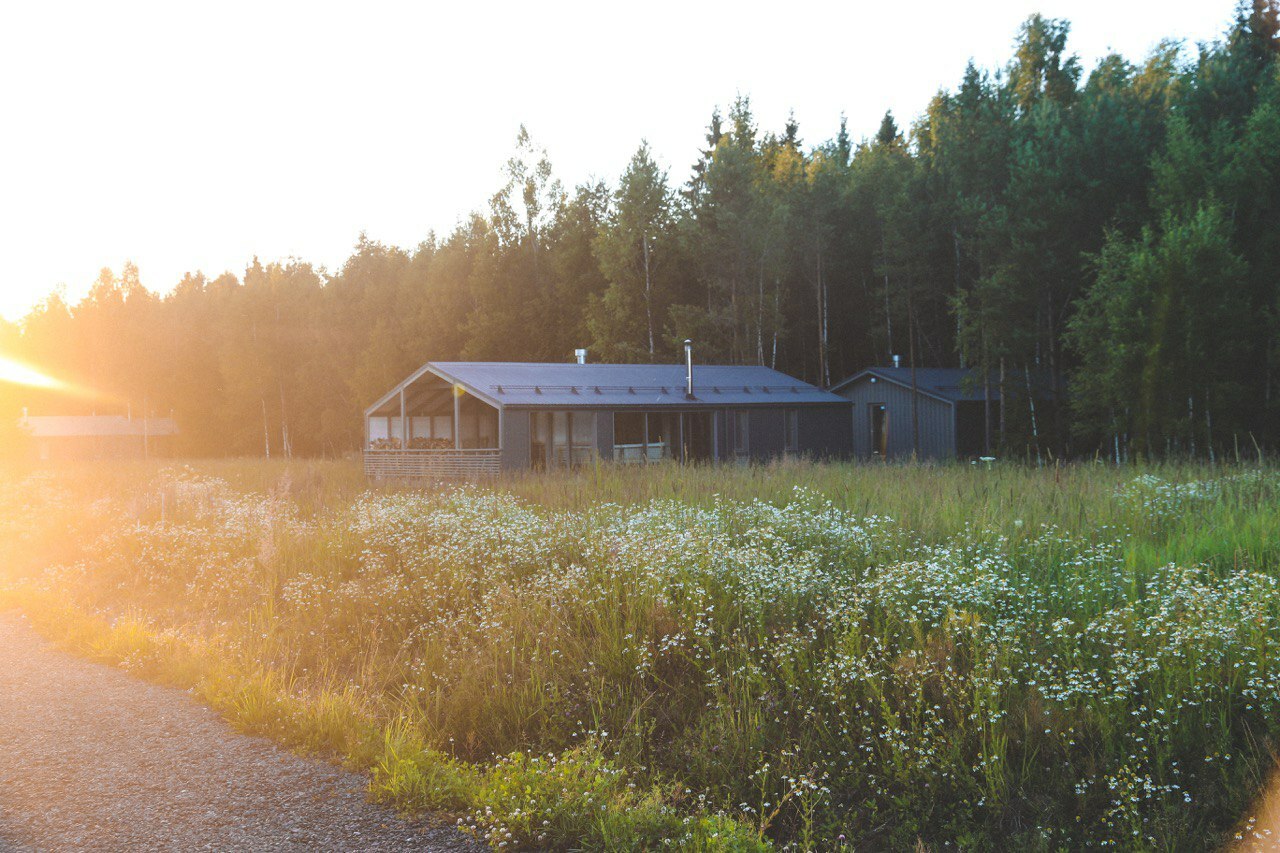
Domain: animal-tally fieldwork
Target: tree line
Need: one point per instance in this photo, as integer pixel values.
(1103, 246)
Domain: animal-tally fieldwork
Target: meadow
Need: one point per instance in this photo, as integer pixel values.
(790, 656)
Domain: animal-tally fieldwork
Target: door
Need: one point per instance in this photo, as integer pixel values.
(879, 430)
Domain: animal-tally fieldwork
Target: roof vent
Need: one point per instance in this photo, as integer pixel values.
(580, 355)
(897, 361)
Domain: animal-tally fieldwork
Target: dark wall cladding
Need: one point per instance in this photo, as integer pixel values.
(516, 434)
(765, 439)
(825, 432)
(604, 434)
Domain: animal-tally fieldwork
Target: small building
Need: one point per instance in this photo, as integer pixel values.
(56, 437)
(950, 408)
(457, 419)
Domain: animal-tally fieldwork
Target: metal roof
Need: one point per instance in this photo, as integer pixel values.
(85, 426)
(569, 385)
(949, 384)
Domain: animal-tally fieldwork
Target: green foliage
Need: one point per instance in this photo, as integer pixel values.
(1166, 325)
(634, 252)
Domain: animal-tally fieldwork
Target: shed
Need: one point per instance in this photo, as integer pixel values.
(474, 418)
(950, 407)
(98, 436)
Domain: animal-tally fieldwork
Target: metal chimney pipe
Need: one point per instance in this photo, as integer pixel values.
(580, 355)
(897, 361)
(688, 369)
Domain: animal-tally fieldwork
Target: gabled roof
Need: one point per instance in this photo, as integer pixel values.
(94, 426)
(949, 384)
(560, 385)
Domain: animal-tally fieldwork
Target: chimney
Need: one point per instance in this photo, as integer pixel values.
(580, 355)
(688, 369)
(897, 361)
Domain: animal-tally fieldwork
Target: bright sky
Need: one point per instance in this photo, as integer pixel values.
(189, 136)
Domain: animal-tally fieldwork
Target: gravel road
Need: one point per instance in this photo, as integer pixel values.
(93, 759)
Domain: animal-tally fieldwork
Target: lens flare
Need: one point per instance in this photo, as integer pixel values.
(16, 373)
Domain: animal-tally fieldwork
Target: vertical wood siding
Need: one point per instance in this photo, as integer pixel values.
(937, 420)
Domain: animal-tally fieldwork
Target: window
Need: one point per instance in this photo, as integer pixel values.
(560, 439)
(791, 431)
(741, 434)
(644, 436)
(629, 437)
(573, 438)
(583, 435)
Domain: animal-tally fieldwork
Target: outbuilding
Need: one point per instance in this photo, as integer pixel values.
(931, 412)
(54, 437)
(457, 419)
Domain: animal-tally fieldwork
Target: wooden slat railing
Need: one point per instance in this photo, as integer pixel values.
(431, 464)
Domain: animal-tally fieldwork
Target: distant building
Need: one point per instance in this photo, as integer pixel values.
(55, 437)
(475, 418)
(950, 410)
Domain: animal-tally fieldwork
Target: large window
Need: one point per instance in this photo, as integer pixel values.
(791, 431)
(539, 438)
(645, 436)
(741, 434)
(562, 438)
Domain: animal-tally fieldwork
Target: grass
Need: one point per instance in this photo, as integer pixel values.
(797, 655)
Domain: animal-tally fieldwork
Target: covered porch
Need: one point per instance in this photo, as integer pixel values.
(429, 428)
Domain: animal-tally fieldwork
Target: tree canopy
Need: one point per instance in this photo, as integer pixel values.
(1102, 245)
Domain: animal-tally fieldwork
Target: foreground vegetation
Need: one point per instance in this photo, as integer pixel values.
(713, 658)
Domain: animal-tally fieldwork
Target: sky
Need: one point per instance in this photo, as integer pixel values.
(187, 136)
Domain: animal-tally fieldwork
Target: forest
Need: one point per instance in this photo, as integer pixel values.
(1107, 243)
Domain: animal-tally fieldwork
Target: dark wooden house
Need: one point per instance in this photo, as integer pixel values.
(452, 419)
(940, 413)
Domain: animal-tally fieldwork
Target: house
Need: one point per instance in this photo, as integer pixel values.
(56, 437)
(947, 406)
(452, 419)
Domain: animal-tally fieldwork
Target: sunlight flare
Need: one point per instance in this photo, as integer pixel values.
(16, 373)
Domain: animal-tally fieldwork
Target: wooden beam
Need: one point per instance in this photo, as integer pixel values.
(404, 423)
(457, 418)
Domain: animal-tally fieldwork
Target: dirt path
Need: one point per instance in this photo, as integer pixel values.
(92, 759)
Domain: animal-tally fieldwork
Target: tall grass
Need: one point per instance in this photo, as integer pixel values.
(713, 657)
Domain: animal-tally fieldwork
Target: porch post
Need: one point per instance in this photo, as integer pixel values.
(457, 418)
(404, 424)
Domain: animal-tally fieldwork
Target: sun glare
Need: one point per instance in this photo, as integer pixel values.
(16, 373)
